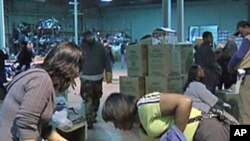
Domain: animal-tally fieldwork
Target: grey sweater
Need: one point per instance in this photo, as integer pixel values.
(202, 98)
(28, 106)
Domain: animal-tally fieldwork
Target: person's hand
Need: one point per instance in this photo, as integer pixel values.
(28, 140)
(54, 136)
(226, 105)
(108, 77)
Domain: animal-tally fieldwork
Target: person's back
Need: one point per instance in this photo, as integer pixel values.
(227, 79)
(13, 100)
(157, 112)
(155, 124)
(201, 97)
(25, 56)
(205, 56)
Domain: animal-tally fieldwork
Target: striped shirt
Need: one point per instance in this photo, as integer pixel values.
(28, 106)
(152, 98)
(154, 124)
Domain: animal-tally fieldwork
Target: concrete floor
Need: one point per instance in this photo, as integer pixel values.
(105, 131)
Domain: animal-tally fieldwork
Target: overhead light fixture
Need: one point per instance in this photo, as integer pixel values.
(106, 0)
(40, 0)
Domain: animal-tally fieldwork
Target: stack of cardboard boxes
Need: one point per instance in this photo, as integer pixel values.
(156, 68)
(161, 68)
(168, 67)
(137, 66)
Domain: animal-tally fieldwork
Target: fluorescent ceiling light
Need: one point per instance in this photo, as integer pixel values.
(40, 0)
(106, 0)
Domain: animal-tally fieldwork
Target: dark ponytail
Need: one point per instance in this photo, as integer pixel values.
(192, 73)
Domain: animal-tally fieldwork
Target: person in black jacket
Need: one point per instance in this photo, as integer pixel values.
(97, 63)
(205, 57)
(25, 56)
(3, 57)
(108, 48)
(123, 51)
(227, 79)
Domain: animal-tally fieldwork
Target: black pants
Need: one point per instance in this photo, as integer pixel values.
(211, 129)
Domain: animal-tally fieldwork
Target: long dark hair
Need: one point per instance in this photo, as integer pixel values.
(192, 73)
(63, 63)
(119, 107)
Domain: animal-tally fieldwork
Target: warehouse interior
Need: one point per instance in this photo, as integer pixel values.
(160, 36)
(125, 16)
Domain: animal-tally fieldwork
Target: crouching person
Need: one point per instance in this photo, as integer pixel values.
(157, 112)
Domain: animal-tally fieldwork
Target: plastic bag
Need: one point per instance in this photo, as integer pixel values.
(61, 120)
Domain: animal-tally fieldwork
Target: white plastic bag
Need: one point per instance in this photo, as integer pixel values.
(61, 120)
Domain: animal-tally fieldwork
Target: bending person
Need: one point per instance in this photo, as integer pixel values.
(30, 101)
(157, 112)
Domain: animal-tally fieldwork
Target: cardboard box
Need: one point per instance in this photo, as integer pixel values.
(184, 79)
(132, 85)
(170, 84)
(147, 41)
(186, 53)
(164, 36)
(170, 59)
(175, 55)
(159, 60)
(137, 60)
(156, 84)
(175, 84)
(181, 58)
